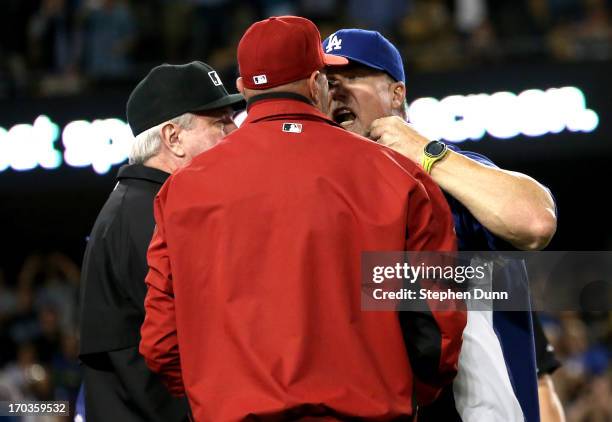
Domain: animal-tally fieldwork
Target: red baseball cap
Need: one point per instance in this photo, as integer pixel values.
(279, 50)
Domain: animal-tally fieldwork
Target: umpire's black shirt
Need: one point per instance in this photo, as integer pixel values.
(117, 382)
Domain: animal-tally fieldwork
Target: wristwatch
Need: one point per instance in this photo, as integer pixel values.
(433, 152)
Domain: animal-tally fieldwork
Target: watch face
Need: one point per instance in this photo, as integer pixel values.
(435, 148)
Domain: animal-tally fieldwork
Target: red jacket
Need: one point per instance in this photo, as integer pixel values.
(254, 279)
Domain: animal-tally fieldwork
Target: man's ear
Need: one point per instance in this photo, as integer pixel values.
(240, 85)
(316, 85)
(398, 95)
(170, 137)
(313, 89)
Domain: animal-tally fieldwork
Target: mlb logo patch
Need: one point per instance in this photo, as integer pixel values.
(216, 80)
(260, 79)
(292, 127)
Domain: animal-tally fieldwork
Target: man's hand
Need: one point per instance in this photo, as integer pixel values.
(399, 135)
(511, 205)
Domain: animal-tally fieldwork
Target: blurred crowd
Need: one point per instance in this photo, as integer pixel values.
(583, 344)
(65, 47)
(61, 47)
(39, 346)
(38, 357)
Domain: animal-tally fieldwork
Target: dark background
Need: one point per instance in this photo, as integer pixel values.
(79, 59)
(55, 209)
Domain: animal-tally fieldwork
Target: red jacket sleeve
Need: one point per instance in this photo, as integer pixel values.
(430, 222)
(159, 343)
(433, 338)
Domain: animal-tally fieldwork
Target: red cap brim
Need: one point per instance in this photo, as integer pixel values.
(332, 60)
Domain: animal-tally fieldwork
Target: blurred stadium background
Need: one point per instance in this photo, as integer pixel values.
(67, 67)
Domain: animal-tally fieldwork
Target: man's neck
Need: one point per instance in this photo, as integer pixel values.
(161, 163)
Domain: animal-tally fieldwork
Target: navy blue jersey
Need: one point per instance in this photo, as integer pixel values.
(514, 329)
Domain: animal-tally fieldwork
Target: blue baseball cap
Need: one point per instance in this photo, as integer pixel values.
(369, 48)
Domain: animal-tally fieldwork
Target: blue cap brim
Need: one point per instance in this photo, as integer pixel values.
(363, 62)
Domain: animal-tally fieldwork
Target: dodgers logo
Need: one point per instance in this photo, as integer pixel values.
(335, 43)
(216, 80)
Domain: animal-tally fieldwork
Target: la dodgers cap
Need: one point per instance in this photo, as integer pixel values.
(169, 91)
(369, 48)
(279, 50)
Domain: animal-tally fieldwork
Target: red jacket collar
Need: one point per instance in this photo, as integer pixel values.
(271, 106)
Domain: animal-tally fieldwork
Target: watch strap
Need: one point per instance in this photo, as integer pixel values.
(429, 160)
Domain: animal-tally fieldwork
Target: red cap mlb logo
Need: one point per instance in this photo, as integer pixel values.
(279, 50)
(260, 79)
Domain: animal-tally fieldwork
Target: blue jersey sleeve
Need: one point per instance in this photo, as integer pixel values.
(471, 235)
(473, 155)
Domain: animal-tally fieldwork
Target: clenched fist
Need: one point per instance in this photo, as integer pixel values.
(394, 132)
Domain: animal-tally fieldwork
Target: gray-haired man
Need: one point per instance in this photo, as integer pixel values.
(175, 113)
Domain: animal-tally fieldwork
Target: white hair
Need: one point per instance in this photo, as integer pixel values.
(147, 144)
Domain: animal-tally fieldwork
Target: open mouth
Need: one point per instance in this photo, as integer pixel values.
(344, 116)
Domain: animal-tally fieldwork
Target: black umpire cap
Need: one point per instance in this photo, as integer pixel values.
(169, 91)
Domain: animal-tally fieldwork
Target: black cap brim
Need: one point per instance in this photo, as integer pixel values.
(235, 101)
